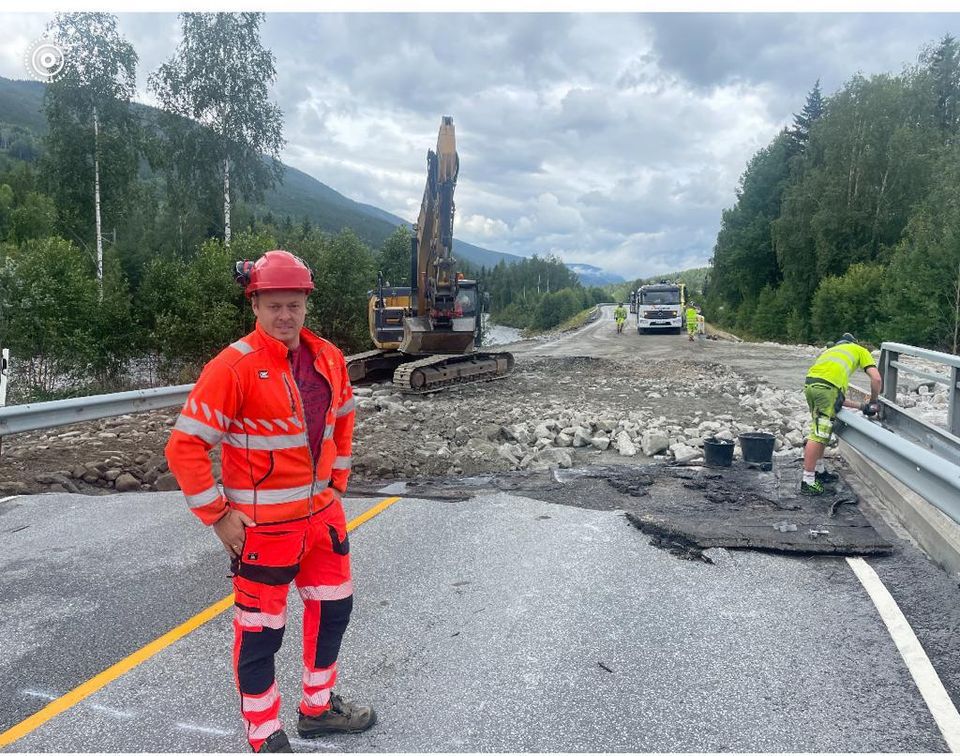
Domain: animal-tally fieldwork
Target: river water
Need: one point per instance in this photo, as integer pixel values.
(498, 334)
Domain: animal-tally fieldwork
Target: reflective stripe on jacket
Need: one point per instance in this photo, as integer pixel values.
(839, 362)
(247, 400)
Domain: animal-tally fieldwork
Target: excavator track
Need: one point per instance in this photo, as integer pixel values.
(439, 371)
(366, 366)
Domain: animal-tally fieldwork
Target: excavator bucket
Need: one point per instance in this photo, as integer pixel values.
(419, 337)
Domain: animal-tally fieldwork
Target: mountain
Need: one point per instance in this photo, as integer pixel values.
(299, 196)
(591, 275)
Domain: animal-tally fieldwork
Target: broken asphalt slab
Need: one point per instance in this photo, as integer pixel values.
(689, 510)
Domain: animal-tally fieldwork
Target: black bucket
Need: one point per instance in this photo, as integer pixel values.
(717, 452)
(757, 448)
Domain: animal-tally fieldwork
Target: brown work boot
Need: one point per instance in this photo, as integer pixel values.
(342, 716)
(278, 742)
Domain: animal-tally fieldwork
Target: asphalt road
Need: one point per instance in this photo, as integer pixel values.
(495, 624)
(784, 366)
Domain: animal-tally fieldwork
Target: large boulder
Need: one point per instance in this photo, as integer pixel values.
(600, 442)
(581, 438)
(543, 431)
(625, 446)
(683, 453)
(126, 483)
(167, 482)
(509, 453)
(654, 442)
(551, 457)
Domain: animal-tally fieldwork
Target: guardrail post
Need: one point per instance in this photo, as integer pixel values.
(889, 373)
(953, 415)
(4, 377)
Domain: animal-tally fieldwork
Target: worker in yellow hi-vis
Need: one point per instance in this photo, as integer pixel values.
(825, 390)
(691, 315)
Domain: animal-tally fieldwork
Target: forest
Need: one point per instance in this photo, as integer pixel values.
(848, 220)
(120, 224)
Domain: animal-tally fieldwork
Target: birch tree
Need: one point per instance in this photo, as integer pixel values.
(92, 140)
(217, 84)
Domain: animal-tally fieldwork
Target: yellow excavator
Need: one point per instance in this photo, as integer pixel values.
(427, 334)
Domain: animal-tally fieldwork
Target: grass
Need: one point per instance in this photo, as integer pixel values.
(570, 324)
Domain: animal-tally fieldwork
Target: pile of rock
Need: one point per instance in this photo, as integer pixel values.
(118, 471)
(492, 429)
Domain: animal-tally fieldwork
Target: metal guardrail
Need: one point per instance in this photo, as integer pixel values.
(936, 479)
(922, 456)
(945, 442)
(26, 417)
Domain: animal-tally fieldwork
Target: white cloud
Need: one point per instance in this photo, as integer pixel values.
(609, 139)
(480, 227)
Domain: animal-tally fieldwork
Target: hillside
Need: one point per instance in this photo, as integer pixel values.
(299, 196)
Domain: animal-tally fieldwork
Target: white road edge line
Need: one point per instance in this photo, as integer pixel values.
(205, 730)
(9, 498)
(924, 675)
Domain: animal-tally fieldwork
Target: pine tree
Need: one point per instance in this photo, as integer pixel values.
(802, 122)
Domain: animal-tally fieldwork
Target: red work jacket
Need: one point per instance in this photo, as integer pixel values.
(247, 400)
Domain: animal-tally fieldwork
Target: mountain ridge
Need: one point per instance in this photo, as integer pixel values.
(299, 196)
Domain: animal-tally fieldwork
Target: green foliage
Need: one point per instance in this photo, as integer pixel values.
(848, 303)
(769, 316)
(46, 322)
(923, 307)
(35, 218)
(196, 308)
(860, 192)
(744, 259)
(219, 80)
(394, 259)
(90, 126)
(516, 290)
(556, 307)
(344, 271)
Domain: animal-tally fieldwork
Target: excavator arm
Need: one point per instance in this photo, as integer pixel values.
(432, 326)
(440, 312)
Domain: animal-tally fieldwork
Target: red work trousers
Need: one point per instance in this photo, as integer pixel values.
(315, 553)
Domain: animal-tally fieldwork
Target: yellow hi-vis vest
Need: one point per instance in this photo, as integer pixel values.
(839, 362)
(691, 317)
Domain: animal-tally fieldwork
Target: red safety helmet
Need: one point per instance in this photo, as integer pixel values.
(275, 270)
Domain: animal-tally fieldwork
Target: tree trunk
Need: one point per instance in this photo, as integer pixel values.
(876, 215)
(226, 201)
(956, 311)
(96, 199)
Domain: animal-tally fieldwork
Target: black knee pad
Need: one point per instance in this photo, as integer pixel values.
(334, 617)
(255, 670)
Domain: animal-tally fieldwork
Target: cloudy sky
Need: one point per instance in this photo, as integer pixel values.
(609, 139)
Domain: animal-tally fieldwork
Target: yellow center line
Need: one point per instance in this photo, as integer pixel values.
(91, 686)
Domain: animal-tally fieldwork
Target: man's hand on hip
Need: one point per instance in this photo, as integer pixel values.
(230, 531)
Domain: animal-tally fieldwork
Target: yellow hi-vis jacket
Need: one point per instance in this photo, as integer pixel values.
(839, 362)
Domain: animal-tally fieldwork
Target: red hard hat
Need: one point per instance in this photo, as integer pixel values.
(278, 269)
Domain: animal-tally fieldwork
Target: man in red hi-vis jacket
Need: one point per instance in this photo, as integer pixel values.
(280, 403)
